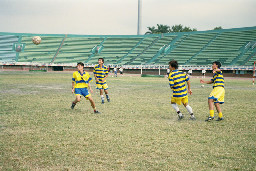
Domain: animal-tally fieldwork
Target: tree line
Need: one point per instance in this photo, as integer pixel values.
(167, 29)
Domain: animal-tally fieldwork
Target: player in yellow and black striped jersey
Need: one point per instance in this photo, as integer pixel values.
(100, 72)
(80, 84)
(217, 95)
(177, 80)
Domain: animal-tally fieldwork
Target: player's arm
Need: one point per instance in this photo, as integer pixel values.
(189, 87)
(89, 86)
(171, 83)
(73, 89)
(95, 76)
(105, 77)
(205, 82)
(216, 70)
(73, 82)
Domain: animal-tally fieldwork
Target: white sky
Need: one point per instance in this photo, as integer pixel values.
(119, 17)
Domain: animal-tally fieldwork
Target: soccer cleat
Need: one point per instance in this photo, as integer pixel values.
(73, 105)
(108, 99)
(220, 119)
(192, 117)
(209, 119)
(180, 117)
(96, 112)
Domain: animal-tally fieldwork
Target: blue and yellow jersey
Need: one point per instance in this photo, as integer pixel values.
(218, 79)
(100, 73)
(177, 81)
(81, 80)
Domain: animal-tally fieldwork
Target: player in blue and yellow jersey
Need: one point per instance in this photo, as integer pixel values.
(217, 95)
(177, 80)
(100, 72)
(80, 84)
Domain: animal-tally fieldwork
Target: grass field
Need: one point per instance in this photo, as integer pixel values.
(137, 130)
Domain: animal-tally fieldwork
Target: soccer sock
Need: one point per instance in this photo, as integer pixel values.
(107, 96)
(189, 109)
(176, 108)
(220, 115)
(102, 97)
(212, 113)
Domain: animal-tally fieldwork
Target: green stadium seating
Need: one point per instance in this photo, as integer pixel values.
(6, 47)
(230, 46)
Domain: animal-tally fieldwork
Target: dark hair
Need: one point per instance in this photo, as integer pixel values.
(101, 59)
(217, 63)
(80, 63)
(174, 64)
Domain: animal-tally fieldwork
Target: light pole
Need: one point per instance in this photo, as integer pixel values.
(139, 10)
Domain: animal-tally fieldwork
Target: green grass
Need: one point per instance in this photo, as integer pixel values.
(137, 130)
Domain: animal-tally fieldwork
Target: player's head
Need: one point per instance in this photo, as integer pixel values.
(100, 60)
(173, 65)
(80, 65)
(216, 64)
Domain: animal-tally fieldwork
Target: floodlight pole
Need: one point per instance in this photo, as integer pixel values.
(139, 9)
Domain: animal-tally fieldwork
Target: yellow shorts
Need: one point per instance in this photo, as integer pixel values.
(179, 100)
(217, 95)
(104, 86)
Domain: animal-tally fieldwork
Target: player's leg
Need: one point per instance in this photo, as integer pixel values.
(190, 111)
(107, 96)
(78, 99)
(220, 100)
(105, 87)
(93, 104)
(216, 97)
(217, 105)
(101, 96)
(211, 109)
(174, 102)
(100, 88)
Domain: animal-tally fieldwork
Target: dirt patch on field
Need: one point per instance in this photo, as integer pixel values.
(18, 92)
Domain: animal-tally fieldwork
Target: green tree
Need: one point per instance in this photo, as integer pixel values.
(152, 30)
(166, 29)
(180, 28)
(218, 28)
(160, 29)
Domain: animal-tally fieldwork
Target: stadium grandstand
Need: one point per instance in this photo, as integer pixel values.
(232, 47)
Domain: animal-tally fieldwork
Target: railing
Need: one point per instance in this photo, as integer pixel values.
(181, 67)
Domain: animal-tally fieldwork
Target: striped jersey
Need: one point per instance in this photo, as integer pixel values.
(218, 79)
(81, 80)
(100, 73)
(177, 80)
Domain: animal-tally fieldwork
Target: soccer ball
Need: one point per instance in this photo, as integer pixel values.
(202, 86)
(36, 40)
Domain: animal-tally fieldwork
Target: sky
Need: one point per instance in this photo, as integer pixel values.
(120, 17)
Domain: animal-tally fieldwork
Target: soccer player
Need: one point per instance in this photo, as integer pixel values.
(100, 72)
(115, 71)
(121, 70)
(177, 81)
(203, 73)
(80, 84)
(217, 95)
